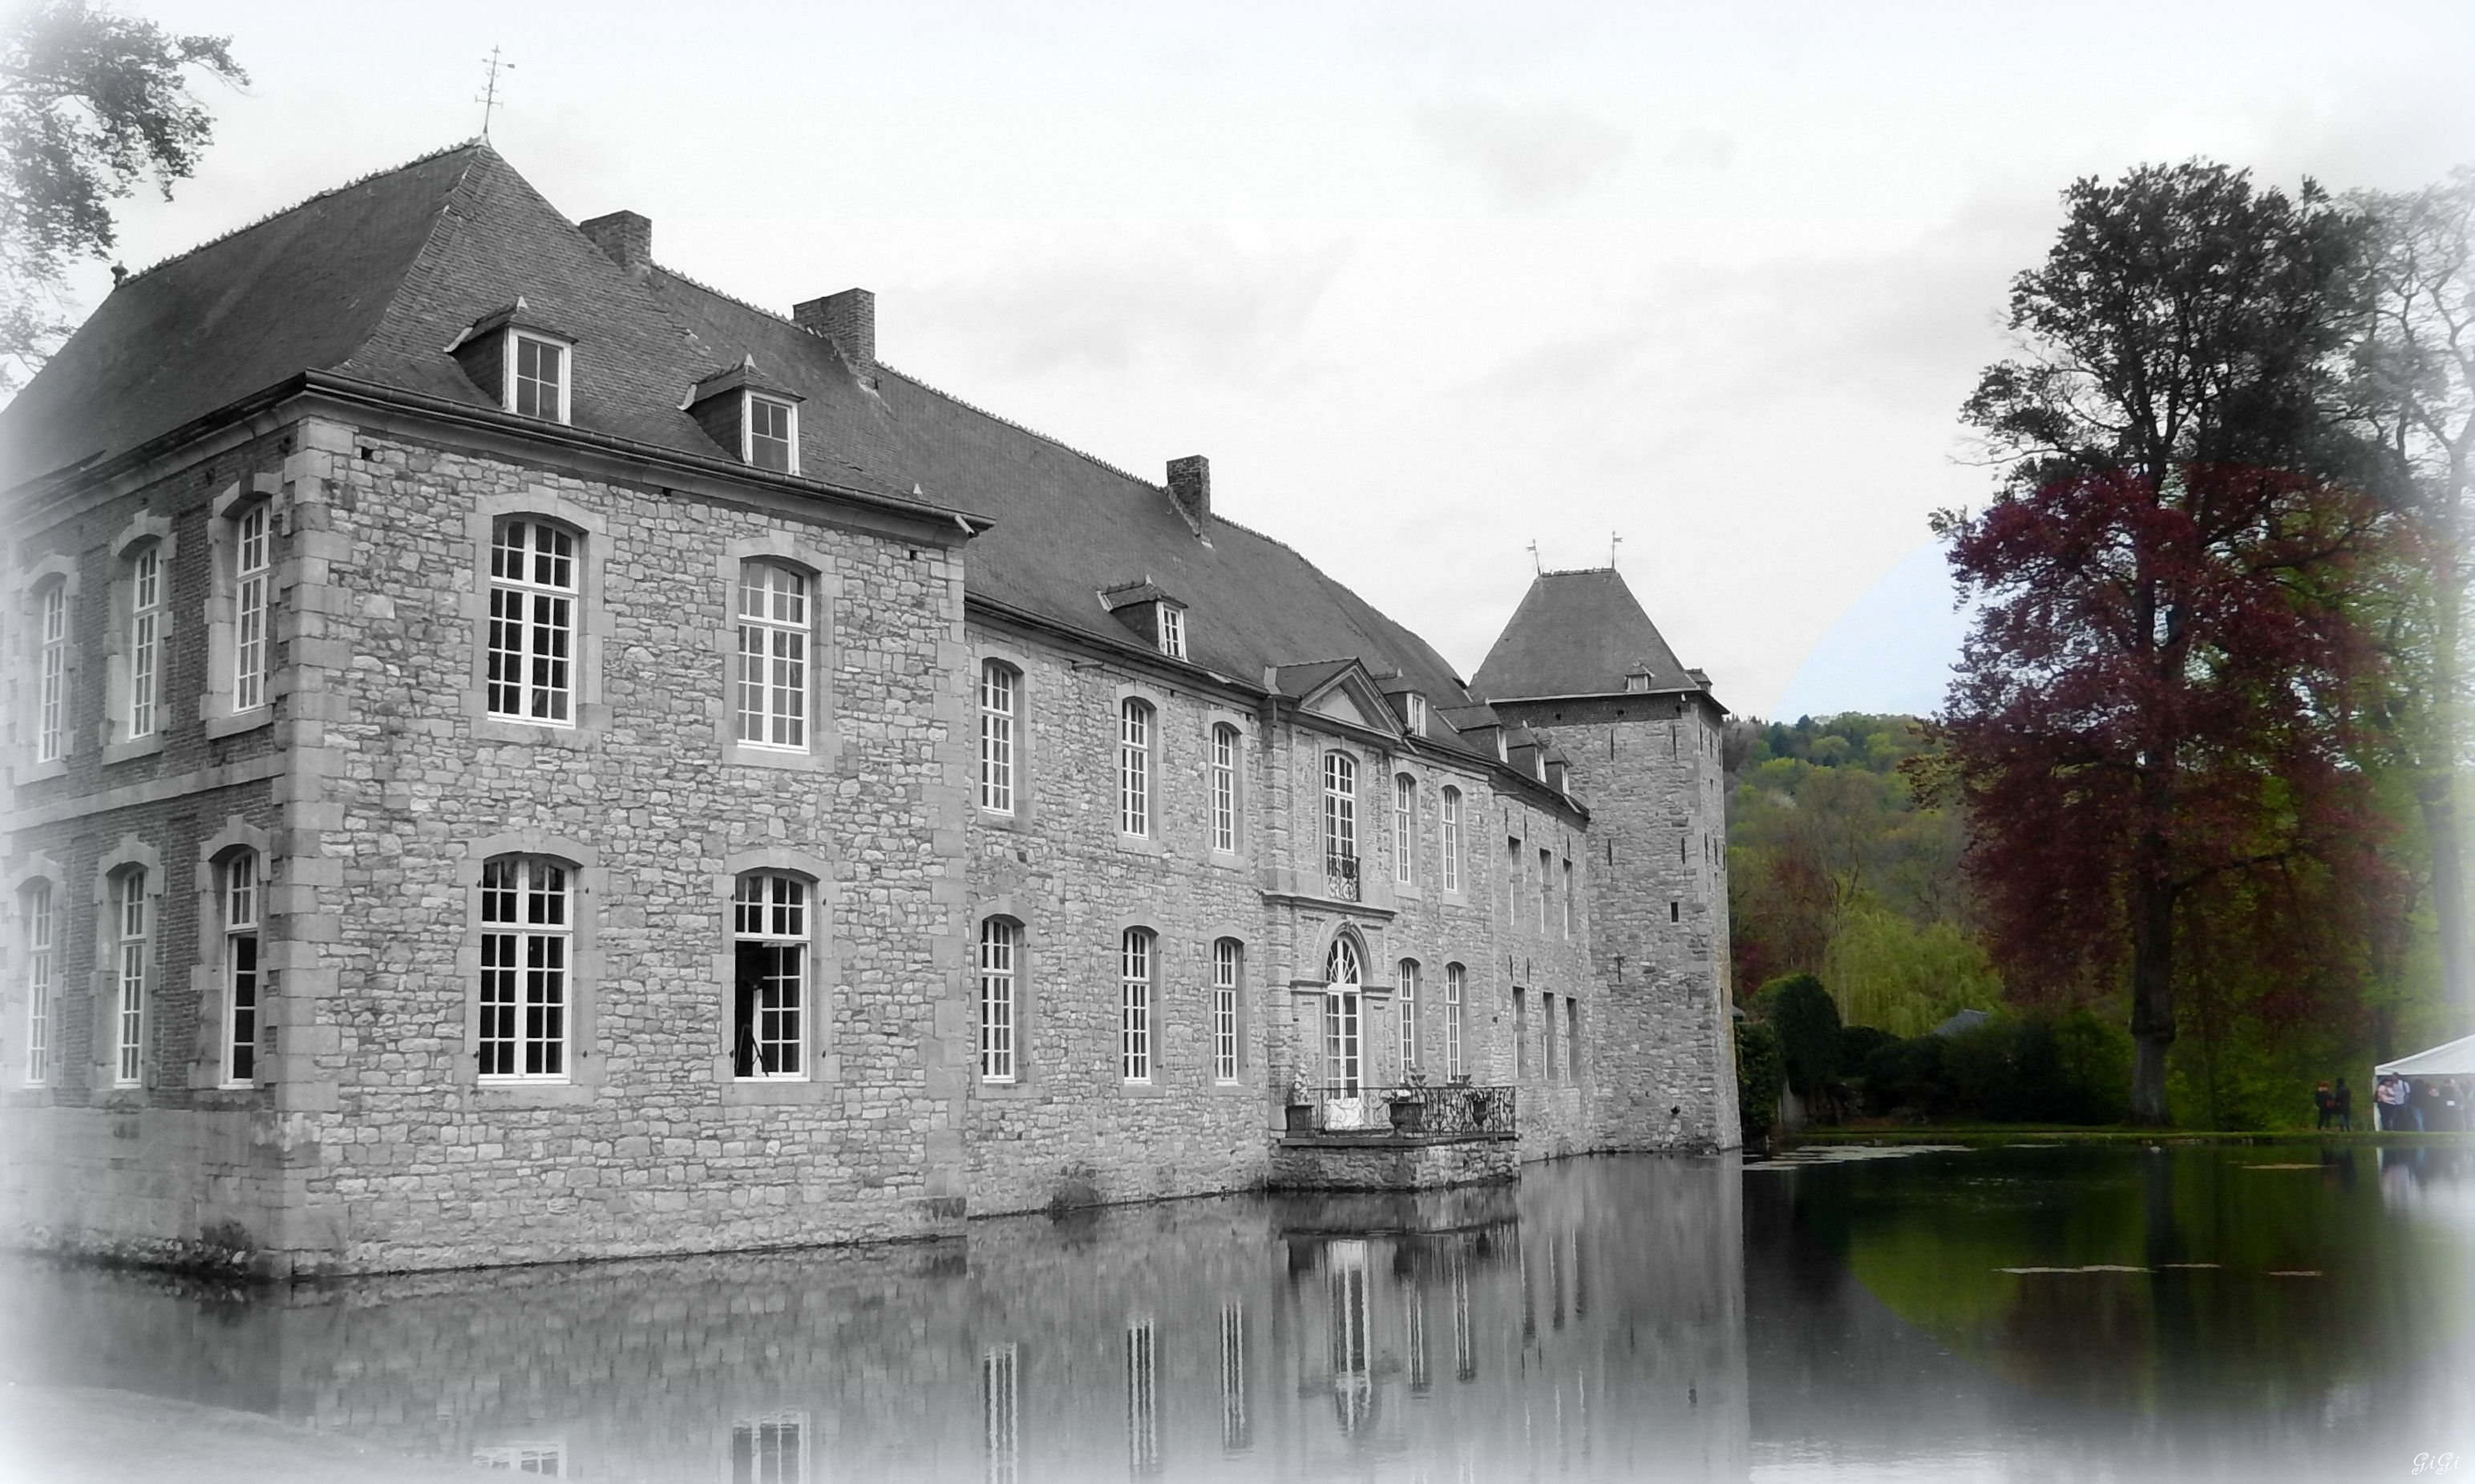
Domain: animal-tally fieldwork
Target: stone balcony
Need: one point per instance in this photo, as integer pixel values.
(1410, 1137)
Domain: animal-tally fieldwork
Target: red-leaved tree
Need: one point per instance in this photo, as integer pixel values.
(2157, 691)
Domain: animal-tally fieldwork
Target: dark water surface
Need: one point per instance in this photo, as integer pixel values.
(2237, 1313)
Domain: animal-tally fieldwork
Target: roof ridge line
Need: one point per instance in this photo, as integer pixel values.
(728, 296)
(333, 190)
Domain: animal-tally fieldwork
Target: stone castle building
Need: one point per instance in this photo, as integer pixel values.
(516, 755)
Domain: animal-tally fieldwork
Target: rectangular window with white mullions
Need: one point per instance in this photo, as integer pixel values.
(40, 927)
(773, 628)
(999, 692)
(129, 908)
(527, 933)
(1172, 631)
(538, 389)
(1134, 769)
(1455, 985)
(51, 729)
(1225, 744)
(252, 580)
(1000, 950)
(241, 896)
(1135, 1007)
(1228, 964)
(772, 1450)
(1452, 822)
(772, 435)
(1405, 829)
(1407, 990)
(145, 639)
(770, 960)
(532, 623)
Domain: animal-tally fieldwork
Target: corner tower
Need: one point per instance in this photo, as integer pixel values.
(1582, 663)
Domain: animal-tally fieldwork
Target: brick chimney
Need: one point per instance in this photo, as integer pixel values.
(849, 319)
(623, 238)
(1190, 489)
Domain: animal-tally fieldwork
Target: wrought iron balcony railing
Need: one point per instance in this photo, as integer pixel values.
(1340, 878)
(1429, 1111)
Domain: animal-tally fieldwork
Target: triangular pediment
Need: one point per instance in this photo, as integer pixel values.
(1339, 705)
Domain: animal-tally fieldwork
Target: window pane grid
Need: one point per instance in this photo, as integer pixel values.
(252, 571)
(1407, 993)
(997, 954)
(1227, 958)
(1224, 788)
(769, 434)
(532, 622)
(770, 931)
(1405, 828)
(1451, 840)
(240, 969)
(1134, 768)
(996, 737)
(145, 631)
(1135, 1022)
(1455, 983)
(541, 373)
(774, 658)
(52, 735)
(129, 1063)
(39, 984)
(1340, 806)
(525, 956)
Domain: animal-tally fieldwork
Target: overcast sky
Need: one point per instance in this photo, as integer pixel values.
(1428, 282)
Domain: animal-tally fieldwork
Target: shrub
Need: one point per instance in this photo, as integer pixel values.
(1911, 1075)
(1807, 1023)
(1758, 1070)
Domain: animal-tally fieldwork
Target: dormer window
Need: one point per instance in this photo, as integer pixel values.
(1172, 630)
(1417, 709)
(537, 377)
(772, 435)
(1151, 613)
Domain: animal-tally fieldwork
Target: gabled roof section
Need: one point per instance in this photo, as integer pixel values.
(1579, 633)
(1339, 690)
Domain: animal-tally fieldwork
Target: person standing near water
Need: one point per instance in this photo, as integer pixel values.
(2343, 1104)
(2321, 1102)
(2387, 1103)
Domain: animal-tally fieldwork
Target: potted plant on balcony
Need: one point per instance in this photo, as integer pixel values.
(1408, 1104)
(1301, 1110)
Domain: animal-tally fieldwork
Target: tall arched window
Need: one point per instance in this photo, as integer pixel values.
(1455, 988)
(773, 629)
(1227, 969)
(52, 666)
(1134, 1018)
(1225, 745)
(131, 920)
(241, 901)
(1406, 998)
(999, 694)
(1134, 769)
(145, 639)
(253, 575)
(532, 623)
(528, 937)
(1452, 815)
(1001, 955)
(40, 930)
(1405, 829)
(1340, 825)
(769, 976)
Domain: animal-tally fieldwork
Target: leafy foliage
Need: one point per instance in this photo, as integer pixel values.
(89, 103)
(1801, 1010)
(1759, 1075)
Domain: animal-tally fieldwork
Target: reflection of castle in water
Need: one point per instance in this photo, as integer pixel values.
(1588, 1323)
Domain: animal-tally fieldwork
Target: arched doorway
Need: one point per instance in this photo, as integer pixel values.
(1344, 1069)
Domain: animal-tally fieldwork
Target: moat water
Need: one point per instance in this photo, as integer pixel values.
(2262, 1312)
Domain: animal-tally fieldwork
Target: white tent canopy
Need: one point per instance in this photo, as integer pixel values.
(2453, 1059)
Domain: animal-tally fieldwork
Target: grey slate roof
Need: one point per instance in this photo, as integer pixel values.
(1579, 633)
(375, 279)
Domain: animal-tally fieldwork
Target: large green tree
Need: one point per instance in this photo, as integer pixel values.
(2157, 691)
(90, 102)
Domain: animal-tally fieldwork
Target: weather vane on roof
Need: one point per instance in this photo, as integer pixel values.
(489, 97)
(1535, 568)
(1613, 541)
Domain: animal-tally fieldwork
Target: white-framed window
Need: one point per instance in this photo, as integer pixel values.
(772, 1448)
(1417, 718)
(547, 1460)
(252, 583)
(1134, 769)
(1406, 1000)
(537, 377)
(1228, 971)
(527, 950)
(130, 916)
(1455, 988)
(1000, 703)
(1405, 829)
(243, 900)
(774, 618)
(1340, 806)
(769, 434)
(1226, 745)
(769, 939)
(1134, 1006)
(52, 666)
(1001, 1412)
(1172, 630)
(1452, 818)
(1000, 1005)
(42, 929)
(145, 639)
(533, 595)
